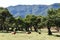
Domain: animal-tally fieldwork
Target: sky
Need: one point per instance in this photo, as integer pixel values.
(6, 3)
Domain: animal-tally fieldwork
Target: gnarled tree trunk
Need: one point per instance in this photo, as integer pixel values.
(49, 31)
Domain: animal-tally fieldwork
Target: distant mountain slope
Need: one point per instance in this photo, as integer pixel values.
(23, 10)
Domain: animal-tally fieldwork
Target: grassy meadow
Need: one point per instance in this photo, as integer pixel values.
(32, 36)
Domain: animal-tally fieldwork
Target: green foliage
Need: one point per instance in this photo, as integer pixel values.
(8, 21)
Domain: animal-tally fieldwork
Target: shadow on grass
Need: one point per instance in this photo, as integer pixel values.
(56, 35)
(21, 32)
(4, 32)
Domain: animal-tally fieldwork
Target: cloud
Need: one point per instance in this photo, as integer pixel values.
(6, 3)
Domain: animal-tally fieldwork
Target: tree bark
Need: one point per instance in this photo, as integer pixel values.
(58, 29)
(27, 28)
(49, 31)
(35, 28)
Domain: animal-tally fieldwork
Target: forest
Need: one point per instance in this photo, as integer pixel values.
(9, 23)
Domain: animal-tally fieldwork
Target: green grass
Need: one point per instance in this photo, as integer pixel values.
(32, 36)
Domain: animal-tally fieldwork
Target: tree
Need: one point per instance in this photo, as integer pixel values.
(50, 20)
(19, 23)
(28, 22)
(57, 19)
(4, 14)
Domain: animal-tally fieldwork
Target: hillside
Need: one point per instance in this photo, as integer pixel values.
(23, 10)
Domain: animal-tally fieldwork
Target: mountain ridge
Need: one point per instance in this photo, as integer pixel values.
(23, 10)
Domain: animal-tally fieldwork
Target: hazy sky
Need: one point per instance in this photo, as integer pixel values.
(6, 3)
